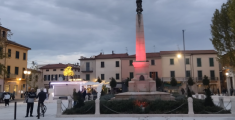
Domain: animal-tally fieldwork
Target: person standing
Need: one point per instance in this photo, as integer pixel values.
(84, 93)
(41, 98)
(26, 96)
(75, 98)
(6, 99)
(30, 102)
(182, 90)
(231, 91)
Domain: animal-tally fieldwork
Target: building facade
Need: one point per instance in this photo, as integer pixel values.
(198, 63)
(15, 63)
(54, 72)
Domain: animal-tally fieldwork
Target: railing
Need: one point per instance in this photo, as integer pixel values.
(11, 75)
(210, 78)
(177, 78)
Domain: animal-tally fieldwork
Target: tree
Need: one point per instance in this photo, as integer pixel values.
(208, 99)
(173, 81)
(190, 81)
(112, 83)
(206, 81)
(158, 82)
(33, 78)
(68, 72)
(99, 80)
(223, 33)
(3, 51)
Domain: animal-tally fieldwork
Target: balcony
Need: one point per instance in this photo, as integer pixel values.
(11, 76)
(166, 79)
(210, 78)
(86, 70)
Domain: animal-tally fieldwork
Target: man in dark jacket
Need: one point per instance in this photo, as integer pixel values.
(30, 102)
(41, 98)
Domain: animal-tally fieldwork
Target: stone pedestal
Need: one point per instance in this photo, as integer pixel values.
(190, 106)
(233, 106)
(59, 102)
(221, 102)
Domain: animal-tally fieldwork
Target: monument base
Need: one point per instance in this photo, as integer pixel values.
(144, 95)
(142, 86)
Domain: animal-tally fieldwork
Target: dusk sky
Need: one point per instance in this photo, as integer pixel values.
(60, 31)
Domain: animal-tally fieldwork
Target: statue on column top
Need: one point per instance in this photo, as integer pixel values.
(139, 8)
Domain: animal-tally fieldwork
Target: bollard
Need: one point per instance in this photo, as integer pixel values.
(97, 107)
(202, 97)
(221, 102)
(92, 96)
(15, 111)
(190, 106)
(233, 106)
(59, 102)
(86, 98)
(69, 102)
(196, 95)
(39, 110)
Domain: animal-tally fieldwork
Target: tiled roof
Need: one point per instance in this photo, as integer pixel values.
(189, 52)
(60, 65)
(5, 28)
(17, 44)
(149, 55)
(110, 56)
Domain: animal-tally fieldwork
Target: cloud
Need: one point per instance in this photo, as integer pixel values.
(85, 27)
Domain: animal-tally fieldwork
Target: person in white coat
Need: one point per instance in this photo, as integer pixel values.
(6, 99)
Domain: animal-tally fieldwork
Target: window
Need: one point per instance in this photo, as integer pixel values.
(87, 66)
(102, 76)
(102, 64)
(47, 69)
(172, 73)
(117, 63)
(187, 73)
(52, 77)
(211, 62)
(55, 77)
(152, 62)
(30, 77)
(61, 69)
(212, 74)
(8, 71)
(187, 61)
(117, 76)
(131, 75)
(23, 75)
(48, 77)
(17, 54)
(36, 78)
(199, 62)
(45, 77)
(24, 56)
(3, 34)
(9, 52)
(87, 76)
(54, 69)
(16, 70)
(199, 75)
(130, 62)
(171, 61)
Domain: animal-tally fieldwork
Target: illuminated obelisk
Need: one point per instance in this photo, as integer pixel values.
(141, 81)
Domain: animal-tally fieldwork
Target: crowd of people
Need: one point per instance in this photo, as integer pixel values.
(83, 94)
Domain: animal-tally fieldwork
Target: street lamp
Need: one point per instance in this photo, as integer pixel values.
(27, 73)
(226, 74)
(179, 55)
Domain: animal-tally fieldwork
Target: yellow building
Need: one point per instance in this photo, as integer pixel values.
(16, 63)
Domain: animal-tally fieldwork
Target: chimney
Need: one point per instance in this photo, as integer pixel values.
(112, 52)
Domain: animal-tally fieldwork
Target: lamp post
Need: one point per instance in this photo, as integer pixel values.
(26, 72)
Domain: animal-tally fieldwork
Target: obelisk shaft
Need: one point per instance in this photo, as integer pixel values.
(140, 41)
